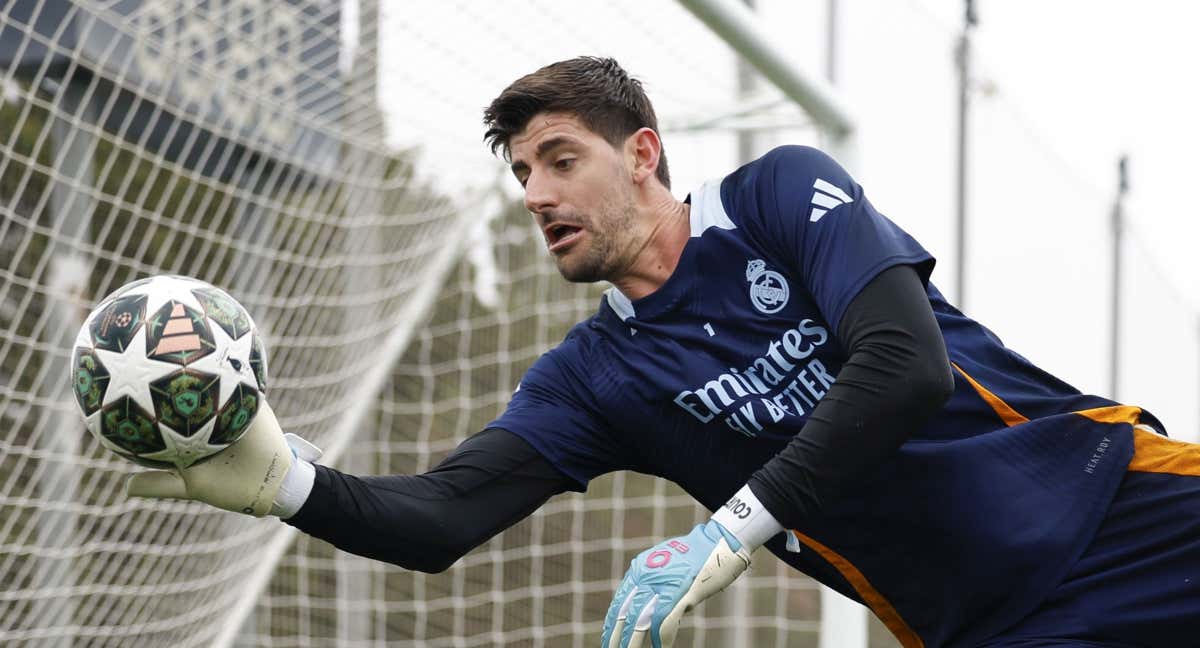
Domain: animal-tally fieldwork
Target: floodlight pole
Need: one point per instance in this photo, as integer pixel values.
(1118, 235)
(963, 58)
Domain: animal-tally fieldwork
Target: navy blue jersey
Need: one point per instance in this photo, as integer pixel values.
(959, 534)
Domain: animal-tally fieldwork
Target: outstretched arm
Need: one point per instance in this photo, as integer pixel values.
(426, 522)
(423, 522)
(895, 377)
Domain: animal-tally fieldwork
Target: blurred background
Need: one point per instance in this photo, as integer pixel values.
(323, 162)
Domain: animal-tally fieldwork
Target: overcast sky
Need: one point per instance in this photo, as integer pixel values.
(1063, 87)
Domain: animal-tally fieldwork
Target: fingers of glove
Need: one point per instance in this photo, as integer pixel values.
(669, 626)
(157, 484)
(617, 607)
(643, 626)
(618, 615)
(638, 619)
(618, 610)
(612, 638)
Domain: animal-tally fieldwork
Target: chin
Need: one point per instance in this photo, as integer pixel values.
(580, 272)
(578, 277)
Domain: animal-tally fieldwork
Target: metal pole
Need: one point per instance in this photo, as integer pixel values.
(831, 41)
(963, 56)
(738, 599)
(843, 622)
(746, 82)
(741, 29)
(1118, 236)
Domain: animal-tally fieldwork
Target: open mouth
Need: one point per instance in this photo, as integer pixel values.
(559, 236)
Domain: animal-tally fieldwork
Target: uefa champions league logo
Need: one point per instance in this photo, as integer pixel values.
(768, 290)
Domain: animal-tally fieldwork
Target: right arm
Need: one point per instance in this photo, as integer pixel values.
(547, 441)
(426, 522)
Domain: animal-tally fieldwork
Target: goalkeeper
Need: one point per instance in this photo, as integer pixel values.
(773, 345)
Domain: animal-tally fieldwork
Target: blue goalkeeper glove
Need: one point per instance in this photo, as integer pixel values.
(672, 577)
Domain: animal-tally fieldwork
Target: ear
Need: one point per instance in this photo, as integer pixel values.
(643, 150)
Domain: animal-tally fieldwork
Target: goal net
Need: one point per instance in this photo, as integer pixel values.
(332, 180)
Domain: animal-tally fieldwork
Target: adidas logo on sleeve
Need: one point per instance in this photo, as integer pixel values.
(826, 196)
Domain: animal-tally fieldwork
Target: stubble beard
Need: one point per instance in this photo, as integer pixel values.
(610, 239)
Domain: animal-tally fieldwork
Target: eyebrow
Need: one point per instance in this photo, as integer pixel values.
(542, 149)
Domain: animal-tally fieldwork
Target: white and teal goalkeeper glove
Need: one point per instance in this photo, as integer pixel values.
(266, 472)
(672, 577)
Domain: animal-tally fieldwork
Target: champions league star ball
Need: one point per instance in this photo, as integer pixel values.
(168, 371)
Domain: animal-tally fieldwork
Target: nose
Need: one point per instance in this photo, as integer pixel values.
(539, 194)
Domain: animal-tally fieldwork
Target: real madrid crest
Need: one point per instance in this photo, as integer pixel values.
(768, 290)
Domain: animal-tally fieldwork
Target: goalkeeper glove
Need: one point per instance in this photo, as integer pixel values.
(672, 577)
(266, 472)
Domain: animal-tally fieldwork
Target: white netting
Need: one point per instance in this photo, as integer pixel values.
(213, 139)
(240, 142)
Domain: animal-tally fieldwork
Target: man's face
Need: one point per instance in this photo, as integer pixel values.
(580, 193)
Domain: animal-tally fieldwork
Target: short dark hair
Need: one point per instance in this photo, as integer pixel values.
(603, 96)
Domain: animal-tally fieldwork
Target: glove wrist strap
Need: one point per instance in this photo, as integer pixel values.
(747, 519)
(294, 491)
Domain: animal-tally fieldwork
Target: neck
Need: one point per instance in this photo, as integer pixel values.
(660, 249)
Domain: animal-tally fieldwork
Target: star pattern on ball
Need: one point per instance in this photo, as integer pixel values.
(219, 364)
(127, 419)
(185, 451)
(131, 372)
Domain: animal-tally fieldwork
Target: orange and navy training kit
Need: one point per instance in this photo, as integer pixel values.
(1135, 583)
(1021, 511)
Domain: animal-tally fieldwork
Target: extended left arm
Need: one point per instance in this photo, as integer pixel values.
(895, 377)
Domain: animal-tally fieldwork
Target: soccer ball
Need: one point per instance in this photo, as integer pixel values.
(168, 371)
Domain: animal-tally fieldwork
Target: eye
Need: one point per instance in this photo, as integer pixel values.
(564, 164)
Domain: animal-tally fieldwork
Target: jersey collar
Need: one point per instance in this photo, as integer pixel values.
(707, 211)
